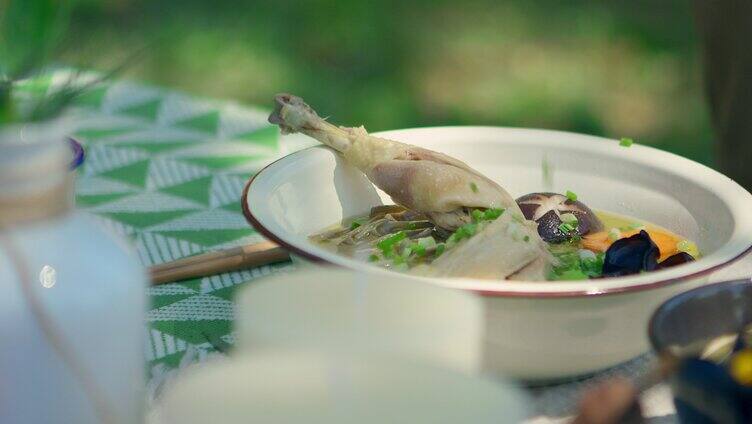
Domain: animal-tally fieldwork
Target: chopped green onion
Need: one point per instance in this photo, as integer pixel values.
(569, 218)
(487, 215)
(577, 265)
(626, 142)
(569, 226)
(419, 250)
(480, 220)
(491, 214)
(585, 254)
(469, 230)
(571, 195)
(566, 227)
(411, 226)
(440, 249)
(593, 267)
(357, 223)
(427, 242)
(373, 258)
(463, 232)
(526, 238)
(389, 244)
(474, 187)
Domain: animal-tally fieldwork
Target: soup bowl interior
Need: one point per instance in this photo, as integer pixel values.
(312, 189)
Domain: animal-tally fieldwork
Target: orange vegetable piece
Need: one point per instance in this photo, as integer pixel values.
(600, 242)
(597, 242)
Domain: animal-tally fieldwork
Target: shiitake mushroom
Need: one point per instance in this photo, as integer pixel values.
(546, 209)
(626, 256)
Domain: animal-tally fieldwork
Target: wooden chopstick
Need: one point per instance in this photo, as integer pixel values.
(212, 263)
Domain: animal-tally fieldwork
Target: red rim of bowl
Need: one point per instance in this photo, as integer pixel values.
(255, 223)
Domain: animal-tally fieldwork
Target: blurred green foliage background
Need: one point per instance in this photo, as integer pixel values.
(613, 68)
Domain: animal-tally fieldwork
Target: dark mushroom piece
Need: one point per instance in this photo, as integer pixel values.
(677, 259)
(638, 253)
(546, 209)
(631, 255)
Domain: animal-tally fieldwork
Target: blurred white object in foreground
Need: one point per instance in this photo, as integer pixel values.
(334, 346)
(316, 387)
(73, 303)
(343, 311)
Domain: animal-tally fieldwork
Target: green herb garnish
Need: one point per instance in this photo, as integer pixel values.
(593, 267)
(571, 195)
(440, 249)
(474, 187)
(572, 266)
(569, 218)
(626, 142)
(569, 226)
(357, 223)
(373, 258)
(427, 242)
(566, 227)
(492, 214)
(388, 246)
(463, 232)
(526, 238)
(487, 215)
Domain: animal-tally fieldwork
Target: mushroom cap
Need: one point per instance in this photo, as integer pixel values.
(546, 209)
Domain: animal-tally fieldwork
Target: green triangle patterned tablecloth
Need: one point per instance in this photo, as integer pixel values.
(166, 170)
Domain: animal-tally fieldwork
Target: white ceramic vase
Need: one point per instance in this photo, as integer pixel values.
(71, 314)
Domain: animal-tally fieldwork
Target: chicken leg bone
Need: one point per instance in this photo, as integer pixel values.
(443, 188)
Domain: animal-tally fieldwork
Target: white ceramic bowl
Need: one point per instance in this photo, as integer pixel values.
(280, 386)
(534, 330)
